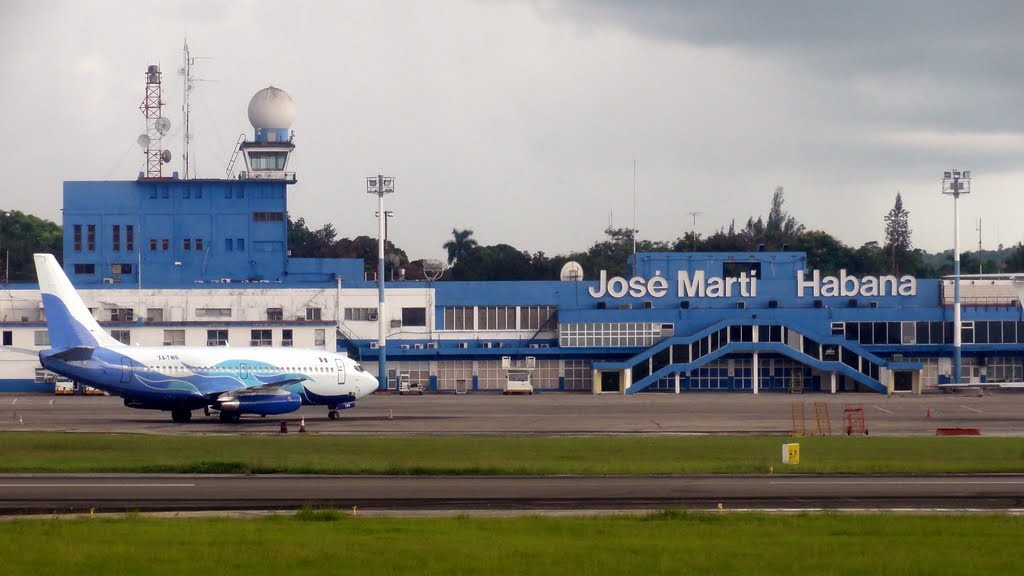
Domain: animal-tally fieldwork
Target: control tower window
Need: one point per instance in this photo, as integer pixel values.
(267, 160)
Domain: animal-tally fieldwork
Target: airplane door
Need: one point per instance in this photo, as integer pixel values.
(341, 370)
(243, 371)
(126, 370)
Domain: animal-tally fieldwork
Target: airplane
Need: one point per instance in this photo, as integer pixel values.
(180, 379)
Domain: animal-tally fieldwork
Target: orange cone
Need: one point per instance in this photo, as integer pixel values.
(928, 414)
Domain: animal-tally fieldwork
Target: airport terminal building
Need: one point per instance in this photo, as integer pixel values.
(205, 262)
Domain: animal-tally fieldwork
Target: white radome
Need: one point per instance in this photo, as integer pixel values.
(271, 108)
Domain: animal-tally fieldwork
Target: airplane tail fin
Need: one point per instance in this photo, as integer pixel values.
(68, 321)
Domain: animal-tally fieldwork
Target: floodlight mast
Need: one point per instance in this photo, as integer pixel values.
(955, 183)
(381, 185)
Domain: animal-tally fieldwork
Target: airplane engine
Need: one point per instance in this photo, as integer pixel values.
(260, 402)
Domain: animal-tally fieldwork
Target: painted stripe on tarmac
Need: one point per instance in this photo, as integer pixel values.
(971, 409)
(95, 485)
(884, 410)
(900, 482)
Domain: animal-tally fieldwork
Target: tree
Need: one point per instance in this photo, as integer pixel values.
(781, 227)
(459, 245)
(1015, 261)
(897, 234)
(20, 236)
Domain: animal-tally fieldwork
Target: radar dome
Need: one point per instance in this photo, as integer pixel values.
(271, 108)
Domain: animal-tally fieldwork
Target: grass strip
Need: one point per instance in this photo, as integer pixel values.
(676, 543)
(459, 455)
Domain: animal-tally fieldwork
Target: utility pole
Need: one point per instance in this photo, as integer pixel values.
(381, 185)
(955, 183)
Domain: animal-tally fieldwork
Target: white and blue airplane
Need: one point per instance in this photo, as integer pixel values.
(180, 379)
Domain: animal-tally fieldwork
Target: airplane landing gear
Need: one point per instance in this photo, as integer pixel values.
(333, 414)
(230, 416)
(181, 415)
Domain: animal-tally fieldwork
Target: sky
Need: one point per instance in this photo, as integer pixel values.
(524, 120)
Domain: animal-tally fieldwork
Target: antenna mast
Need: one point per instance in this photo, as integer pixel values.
(156, 125)
(980, 271)
(188, 83)
(634, 207)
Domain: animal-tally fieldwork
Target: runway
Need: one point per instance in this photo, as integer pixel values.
(994, 414)
(59, 493)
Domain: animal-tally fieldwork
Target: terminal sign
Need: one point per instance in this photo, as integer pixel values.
(699, 285)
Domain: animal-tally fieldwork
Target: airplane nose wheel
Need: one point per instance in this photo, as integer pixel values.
(333, 414)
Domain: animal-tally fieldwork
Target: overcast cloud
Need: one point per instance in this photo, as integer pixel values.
(522, 120)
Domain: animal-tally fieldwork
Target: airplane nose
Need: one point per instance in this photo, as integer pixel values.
(372, 384)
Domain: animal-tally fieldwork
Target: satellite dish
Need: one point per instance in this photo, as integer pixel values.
(163, 125)
(143, 140)
(571, 272)
(433, 269)
(165, 156)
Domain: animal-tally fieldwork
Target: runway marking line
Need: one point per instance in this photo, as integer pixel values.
(899, 482)
(971, 409)
(884, 410)
(94, 485)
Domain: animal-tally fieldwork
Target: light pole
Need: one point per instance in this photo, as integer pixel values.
(7, 252)
(381, 185)
(955, 183)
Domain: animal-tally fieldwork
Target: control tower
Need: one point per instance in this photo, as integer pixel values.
(271, 113)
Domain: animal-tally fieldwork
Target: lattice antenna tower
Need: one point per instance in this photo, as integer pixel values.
(156, 125)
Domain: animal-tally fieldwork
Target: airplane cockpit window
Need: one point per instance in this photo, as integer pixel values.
(358, 367)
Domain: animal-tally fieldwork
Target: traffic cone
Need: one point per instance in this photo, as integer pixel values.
(284, 426)
(302, 426)
(928, 414)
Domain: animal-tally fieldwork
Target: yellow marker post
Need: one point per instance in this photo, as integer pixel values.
(790, 453)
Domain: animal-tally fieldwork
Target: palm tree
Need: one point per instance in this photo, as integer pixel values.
(459, 245)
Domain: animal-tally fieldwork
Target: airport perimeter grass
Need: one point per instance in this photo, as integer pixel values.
(667, 543)
(308, 454)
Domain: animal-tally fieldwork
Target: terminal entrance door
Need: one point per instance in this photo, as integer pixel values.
(903, 381)
(610, 381)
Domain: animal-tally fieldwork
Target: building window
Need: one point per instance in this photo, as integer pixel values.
(77, 237)
(152, 244)
(165, 244)
(122, 315)
(361, 314)
(186, 243)
(118, 269)
(414, 316)
(85, 268)
(41, 338)
(129, 237)
(213, 312)
(241, 193)
(154, 314)
(459, 318)
(320, 337)
(199, 244)
(240, 244)
(122, 336)
(275, 314)
(497, 318)
(268, 216)
(227, 193)
(262, 338)
(286, 337)
(199, 193)
(165, 193)
(90, 237)
(216, 337)
(313, 314)
(152, 192)
(616, 334)
(228, 245)
(535, 317)
(174, 337)
(115, 237)
(186, 193)
(8, 338)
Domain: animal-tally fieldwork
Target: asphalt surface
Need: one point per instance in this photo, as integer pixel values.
(993, 414)
(50, 493)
